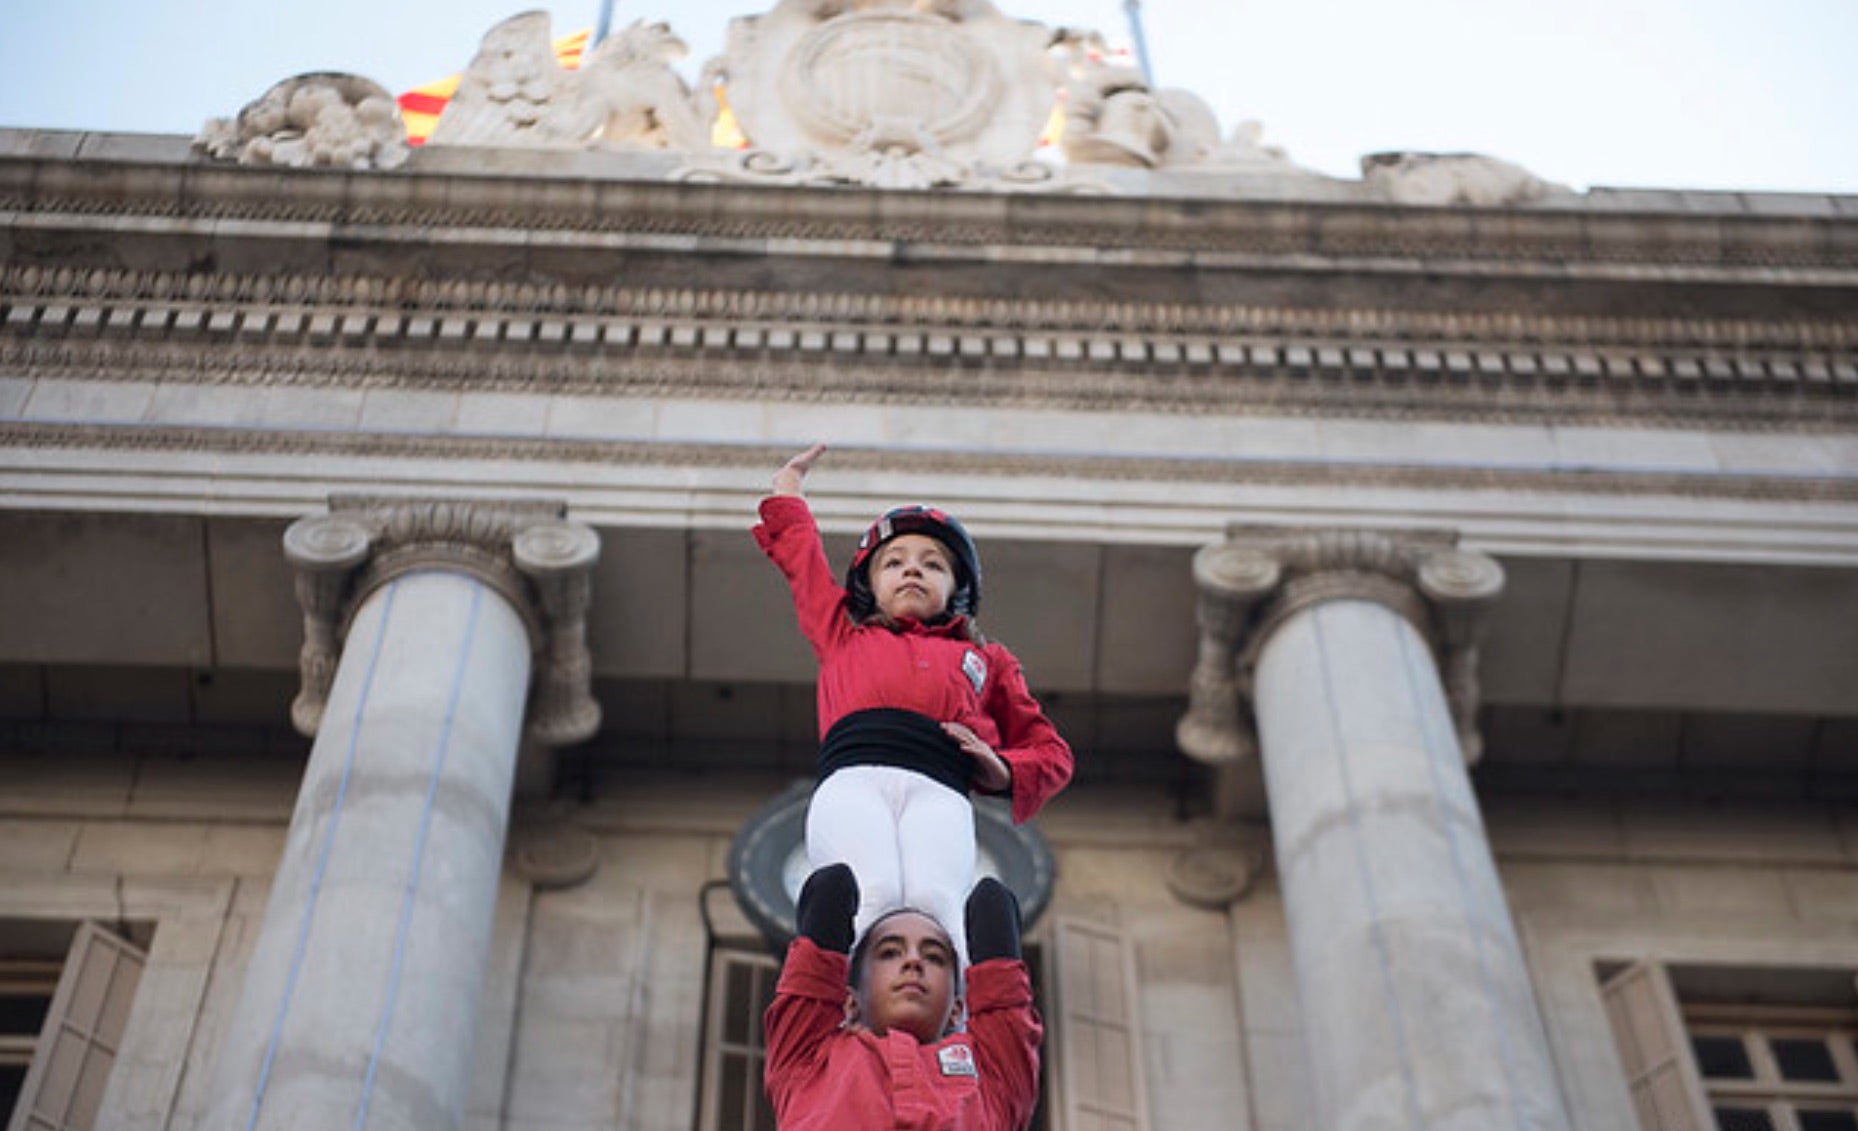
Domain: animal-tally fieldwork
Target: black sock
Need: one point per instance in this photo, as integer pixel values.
(993, 922)
(824, 910)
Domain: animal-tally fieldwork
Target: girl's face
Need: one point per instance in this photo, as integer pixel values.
(908, 979)
(912, 576)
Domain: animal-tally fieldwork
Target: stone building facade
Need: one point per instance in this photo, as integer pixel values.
(1446, 580)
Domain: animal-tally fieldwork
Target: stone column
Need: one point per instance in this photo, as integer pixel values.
(1348, 660)
(423, 624)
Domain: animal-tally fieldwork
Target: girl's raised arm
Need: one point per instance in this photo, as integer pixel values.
(788, 480)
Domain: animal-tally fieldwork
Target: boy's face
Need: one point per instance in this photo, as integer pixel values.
(908, 978)
(913, 576)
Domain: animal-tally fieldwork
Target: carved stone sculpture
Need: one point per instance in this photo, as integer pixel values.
(323, 119)
(889, 92)
(625, 95)
(514, 94)
(642, 102)
(903, 94)
(1453, 178)
(1111, 117)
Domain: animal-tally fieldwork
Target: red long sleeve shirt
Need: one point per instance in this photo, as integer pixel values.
(823, 1077)
(933, 670)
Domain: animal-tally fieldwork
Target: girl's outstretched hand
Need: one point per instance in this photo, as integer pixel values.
(792, 474)
(990, 770)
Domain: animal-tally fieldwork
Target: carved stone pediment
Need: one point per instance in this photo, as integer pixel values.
(914, 94)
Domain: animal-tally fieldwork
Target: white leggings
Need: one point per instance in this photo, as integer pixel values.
(908, 838)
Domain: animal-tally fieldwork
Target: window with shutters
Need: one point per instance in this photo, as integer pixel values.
(1093, 1074)
(1737, 1049)
(55, 1072)
(741, 986)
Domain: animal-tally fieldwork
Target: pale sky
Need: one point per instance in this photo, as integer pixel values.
(1714, 94)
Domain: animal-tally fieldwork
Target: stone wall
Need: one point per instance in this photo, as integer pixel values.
(594, 1001)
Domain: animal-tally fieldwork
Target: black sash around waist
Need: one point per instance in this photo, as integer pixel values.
(889, 736)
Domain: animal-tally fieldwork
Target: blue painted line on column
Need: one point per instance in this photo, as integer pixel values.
(1446, 745)
(1375, 934)
(322, 859)
(419, 850)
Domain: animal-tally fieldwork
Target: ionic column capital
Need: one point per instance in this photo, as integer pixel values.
(1259, 577)
(528, 552)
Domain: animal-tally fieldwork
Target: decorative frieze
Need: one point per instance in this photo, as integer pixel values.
(1258, 578)
(527, 552)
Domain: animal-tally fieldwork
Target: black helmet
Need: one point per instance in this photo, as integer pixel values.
(916, 519)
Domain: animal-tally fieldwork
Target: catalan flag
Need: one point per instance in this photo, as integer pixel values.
(420, 107)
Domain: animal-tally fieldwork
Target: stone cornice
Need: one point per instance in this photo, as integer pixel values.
(1264, 472)
(497, 209)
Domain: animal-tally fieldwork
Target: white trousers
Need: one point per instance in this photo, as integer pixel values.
(908, 839)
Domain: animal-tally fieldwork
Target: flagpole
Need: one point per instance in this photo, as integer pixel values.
(1134, 10)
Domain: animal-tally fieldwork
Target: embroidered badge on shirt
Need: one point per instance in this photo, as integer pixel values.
(957, 1060)
(975, 669)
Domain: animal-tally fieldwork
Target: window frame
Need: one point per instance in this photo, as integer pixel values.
(1567, 947)
(85, 1022)
(1756, 1026)
(1676, 1024)
(725, 955)
(159, 1077)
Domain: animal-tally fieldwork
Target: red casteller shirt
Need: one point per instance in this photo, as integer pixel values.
(919, 667)
(822, 1076)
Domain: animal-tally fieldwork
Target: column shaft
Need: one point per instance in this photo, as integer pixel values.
(362, 992)
(1417, 1006)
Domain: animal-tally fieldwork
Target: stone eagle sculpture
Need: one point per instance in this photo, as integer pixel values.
(625, 94)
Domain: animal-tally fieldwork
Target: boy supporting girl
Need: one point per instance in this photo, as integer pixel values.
(916, 707)
(867, 1041)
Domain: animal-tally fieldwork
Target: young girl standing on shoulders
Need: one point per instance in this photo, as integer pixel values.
(916, 707)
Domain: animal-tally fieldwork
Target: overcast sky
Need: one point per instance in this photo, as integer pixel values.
(1720, 94)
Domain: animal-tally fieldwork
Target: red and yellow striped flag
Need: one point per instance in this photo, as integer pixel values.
(420, 107)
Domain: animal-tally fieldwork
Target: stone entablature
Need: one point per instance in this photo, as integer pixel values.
(1245, 357)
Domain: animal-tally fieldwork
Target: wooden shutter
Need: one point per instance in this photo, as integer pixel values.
(77, 1047)
(1653, 1046)
(741, 988)
(1096, 1043)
